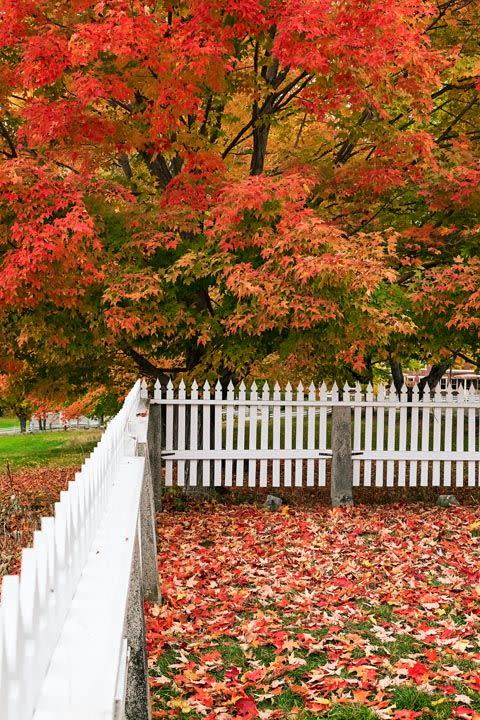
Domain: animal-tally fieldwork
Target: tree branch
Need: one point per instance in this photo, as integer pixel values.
(462, 355)
(8, 139)
(146, 367)
(445, 134)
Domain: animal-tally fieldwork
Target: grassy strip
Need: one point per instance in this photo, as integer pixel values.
(52, 449)
(8, 422)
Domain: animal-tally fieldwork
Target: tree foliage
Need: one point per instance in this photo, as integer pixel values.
(226, 187)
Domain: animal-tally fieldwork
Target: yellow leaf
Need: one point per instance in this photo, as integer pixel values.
(180, 705)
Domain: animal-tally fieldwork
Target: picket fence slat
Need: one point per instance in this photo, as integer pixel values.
(357, 432)
(412, 480)
(311, 434)
(425, 441)
(459, 446)
(264, 419)
(402, 436)
(181, 434)
(380, 436)
(252, 438)
(276, 419)
(322, 436)
(367, 443)
(206, 434)
(240, 464)
(170, 429)
(193, 466)
(217, 472)
(437, 433)
(299, 435)
(448, 432)
(471, 442)
(229, 436)
(288, 433)
(392, 420)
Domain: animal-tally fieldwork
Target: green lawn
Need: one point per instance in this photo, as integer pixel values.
(8, 422)
(58, 448)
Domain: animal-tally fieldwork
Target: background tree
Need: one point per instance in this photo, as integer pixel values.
(15, 397)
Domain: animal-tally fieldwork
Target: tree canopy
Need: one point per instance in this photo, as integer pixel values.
(238, 187)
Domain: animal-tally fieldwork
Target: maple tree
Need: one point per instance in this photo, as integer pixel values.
(209, 187)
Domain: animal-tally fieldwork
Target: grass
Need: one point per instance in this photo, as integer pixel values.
(287, 700)
(8, 422)
(351, 712)
(341, 712)
(54, 449)
(411, 698)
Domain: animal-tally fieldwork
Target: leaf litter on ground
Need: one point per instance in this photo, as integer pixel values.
(348, 614)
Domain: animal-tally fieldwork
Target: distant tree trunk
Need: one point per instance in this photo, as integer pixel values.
(432, 379)
(23, 421)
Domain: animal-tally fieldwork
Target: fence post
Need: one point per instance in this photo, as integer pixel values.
(154, 444)
(137, 695)
(148, 540)
(341, 489)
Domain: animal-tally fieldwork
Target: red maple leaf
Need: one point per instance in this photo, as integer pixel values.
(419, 672)
(246, 707)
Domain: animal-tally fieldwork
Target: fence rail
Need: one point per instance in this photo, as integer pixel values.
(269, 436)
(64, 626)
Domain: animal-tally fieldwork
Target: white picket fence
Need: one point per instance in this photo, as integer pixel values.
(283, 438)
(63, 646)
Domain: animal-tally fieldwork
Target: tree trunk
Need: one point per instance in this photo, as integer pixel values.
(433, 377)
(260, 140)
(23, 421)
(397, 374)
